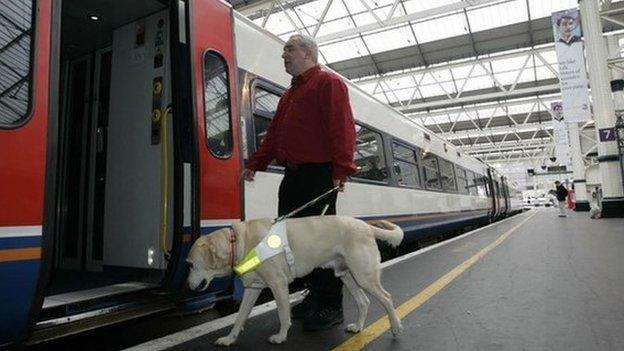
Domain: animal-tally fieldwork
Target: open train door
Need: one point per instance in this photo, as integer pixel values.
(214, 81)
(28, 94)
(204, 85)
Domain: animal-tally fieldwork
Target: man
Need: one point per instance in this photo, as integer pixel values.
(566, 25)
(313, 136)
(562, 193)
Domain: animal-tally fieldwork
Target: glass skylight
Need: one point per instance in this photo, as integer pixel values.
(388, 40)
(493, 16)
(440, 28)
(541, 8)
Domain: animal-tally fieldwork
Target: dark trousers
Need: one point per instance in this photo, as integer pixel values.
(301, 184)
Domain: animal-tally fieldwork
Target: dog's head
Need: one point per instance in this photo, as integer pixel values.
(209, 258)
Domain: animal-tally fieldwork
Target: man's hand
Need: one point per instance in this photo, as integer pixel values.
(248, 175)
(341, 183)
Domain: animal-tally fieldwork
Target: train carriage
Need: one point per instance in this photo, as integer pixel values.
(123, 131)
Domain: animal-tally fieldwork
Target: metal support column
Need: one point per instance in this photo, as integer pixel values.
(604, 112)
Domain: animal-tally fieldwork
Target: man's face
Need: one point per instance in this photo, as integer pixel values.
(566, 26)
(295, 58)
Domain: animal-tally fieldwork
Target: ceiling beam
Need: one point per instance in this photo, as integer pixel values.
(478, 97)
(420, 15)
(451, 65)
(486, 106)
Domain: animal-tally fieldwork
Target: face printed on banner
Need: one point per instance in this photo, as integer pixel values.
(558, 112)
(567, 27)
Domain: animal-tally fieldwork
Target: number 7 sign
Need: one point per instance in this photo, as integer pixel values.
(607, 134)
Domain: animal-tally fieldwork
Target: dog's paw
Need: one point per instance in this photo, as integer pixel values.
(277, 339)
(224, 341)
(353, 328)
(398, 330)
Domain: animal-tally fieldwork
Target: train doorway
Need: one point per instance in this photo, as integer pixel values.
(112, 239)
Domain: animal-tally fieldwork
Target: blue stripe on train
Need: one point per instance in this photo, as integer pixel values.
(208, 230)
(17, 291)
(422, 228)
(20, 242)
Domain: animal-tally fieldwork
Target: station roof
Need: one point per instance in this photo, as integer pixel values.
(481, 73)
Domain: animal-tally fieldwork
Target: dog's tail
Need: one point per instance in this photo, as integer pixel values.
(388, 232)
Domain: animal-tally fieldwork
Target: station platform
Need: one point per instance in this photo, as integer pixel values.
(534, 281)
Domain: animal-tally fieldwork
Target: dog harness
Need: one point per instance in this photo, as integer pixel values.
(274, 243)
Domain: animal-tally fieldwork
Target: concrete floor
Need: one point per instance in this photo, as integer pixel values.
(553, 284)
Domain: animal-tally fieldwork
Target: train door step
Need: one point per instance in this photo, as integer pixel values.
(77, 305)
(49, 330)
(91, 294)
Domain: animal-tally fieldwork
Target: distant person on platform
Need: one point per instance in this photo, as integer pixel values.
(313, 136)
(562, 193)
(595, 212)
(567, 25)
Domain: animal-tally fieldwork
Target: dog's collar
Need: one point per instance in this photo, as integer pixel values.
(232, 247)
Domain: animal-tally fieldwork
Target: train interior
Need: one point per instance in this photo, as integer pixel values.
(114, 73)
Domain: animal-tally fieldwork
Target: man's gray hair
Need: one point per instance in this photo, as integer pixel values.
(306, 43)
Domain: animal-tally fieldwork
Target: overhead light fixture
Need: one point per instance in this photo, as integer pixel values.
(94, 17)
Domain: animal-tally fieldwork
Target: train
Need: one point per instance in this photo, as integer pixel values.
(124, 128)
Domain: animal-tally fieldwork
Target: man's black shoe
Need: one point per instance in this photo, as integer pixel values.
(323, 318)
(304, 308)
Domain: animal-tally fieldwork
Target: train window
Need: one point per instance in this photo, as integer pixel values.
(369, 155)
(405, 165)
(462, 180)
(16, 22)
(265, 102)
(472, 185)
(447, 174)
(217, 105)
(264, 108)
(431, 171)
(481, 182)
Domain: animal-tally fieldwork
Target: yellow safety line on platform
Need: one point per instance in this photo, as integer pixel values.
(373, 331)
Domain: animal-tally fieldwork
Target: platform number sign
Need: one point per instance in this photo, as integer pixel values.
(607, 134)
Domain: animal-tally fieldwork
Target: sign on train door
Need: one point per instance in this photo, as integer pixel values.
(27, 157)
(214, 81)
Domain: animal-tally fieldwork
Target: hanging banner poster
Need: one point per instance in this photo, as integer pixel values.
(560, 133)
(572, 74)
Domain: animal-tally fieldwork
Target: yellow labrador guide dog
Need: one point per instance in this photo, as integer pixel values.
(343, 243)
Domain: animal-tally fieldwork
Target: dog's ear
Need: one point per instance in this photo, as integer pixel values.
(217, 256)
(221, 250)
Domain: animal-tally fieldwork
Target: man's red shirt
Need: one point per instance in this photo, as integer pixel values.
(313, 124)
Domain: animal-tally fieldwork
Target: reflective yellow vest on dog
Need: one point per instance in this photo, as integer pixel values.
(274, 243)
